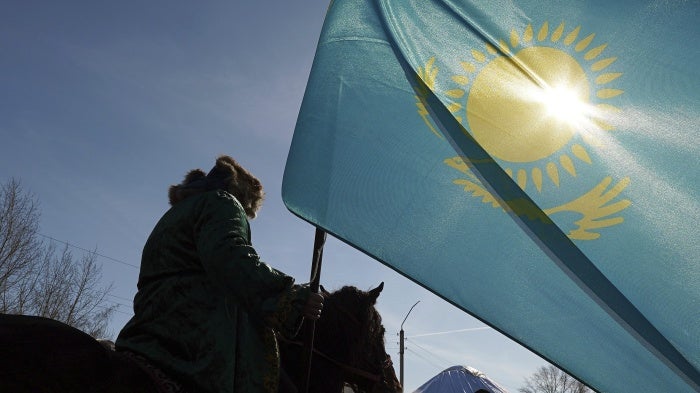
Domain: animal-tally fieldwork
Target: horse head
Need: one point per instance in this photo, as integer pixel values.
(370, 369)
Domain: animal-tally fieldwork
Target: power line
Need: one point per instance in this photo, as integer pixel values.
(115, 310)
(119, 304)
(90, 251)
(120, 298)
(436, 357)
(437, 366)
(125, 313)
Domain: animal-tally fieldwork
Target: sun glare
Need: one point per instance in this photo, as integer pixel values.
(543, 104)
(538, 130)
(565, 104)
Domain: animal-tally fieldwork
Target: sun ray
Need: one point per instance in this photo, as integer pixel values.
(454, 107)
(469, 67)
(527, 36)
(455, 93)
(567, 164)
(602, 64)
(522, 178)
(537, 178)
(556, 35)
(553, 173)
(609, 93)
(571, 37)
(478, 56)
(491, 49)
(504, 47)
(591, 140)
(509, 172)
(544, 31)
(583, 44)
(603, 125)
(607, 108)
(580, 153)
(460, 80)
(607, 78)
(514, 39)
(595, 52)
(601, 120)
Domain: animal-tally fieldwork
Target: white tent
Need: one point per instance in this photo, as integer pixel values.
(460, 379)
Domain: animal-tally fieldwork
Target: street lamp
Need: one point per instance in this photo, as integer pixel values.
(401, 344)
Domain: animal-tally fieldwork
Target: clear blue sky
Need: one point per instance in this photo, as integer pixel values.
(103, 105)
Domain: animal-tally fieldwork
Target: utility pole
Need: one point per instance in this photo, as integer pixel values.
(401, 345)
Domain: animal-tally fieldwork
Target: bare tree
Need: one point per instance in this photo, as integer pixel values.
(70, 291)
(19, 246)
(35, 279)
(550, 379)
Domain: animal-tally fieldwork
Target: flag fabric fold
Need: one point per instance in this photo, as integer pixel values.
(548, 151)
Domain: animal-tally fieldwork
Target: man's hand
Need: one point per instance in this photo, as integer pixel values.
(313, 307)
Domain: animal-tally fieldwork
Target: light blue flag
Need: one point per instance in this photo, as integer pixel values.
(533, 163)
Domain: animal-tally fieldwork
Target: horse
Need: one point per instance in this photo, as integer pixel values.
(43, 355)
(348, 347)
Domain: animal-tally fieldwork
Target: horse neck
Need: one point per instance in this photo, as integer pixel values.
(340, 331)
(338, 335)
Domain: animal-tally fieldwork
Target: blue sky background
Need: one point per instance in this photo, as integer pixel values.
(103, 105)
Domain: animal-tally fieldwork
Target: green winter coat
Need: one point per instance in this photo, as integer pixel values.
(207, 307)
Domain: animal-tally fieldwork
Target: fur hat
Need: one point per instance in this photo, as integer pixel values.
(226, 175)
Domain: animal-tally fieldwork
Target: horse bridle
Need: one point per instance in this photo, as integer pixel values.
(376, 379)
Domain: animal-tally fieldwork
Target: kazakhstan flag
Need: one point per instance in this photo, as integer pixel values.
(534, 163)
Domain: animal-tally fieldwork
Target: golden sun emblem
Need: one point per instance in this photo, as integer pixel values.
(536, 103)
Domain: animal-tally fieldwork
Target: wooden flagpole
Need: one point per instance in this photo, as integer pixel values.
(310, 327)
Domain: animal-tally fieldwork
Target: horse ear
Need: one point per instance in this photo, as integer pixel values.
(323, 291)
(374, 294)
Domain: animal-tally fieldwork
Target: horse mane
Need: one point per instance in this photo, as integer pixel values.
(348, 324)
(349, 321)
